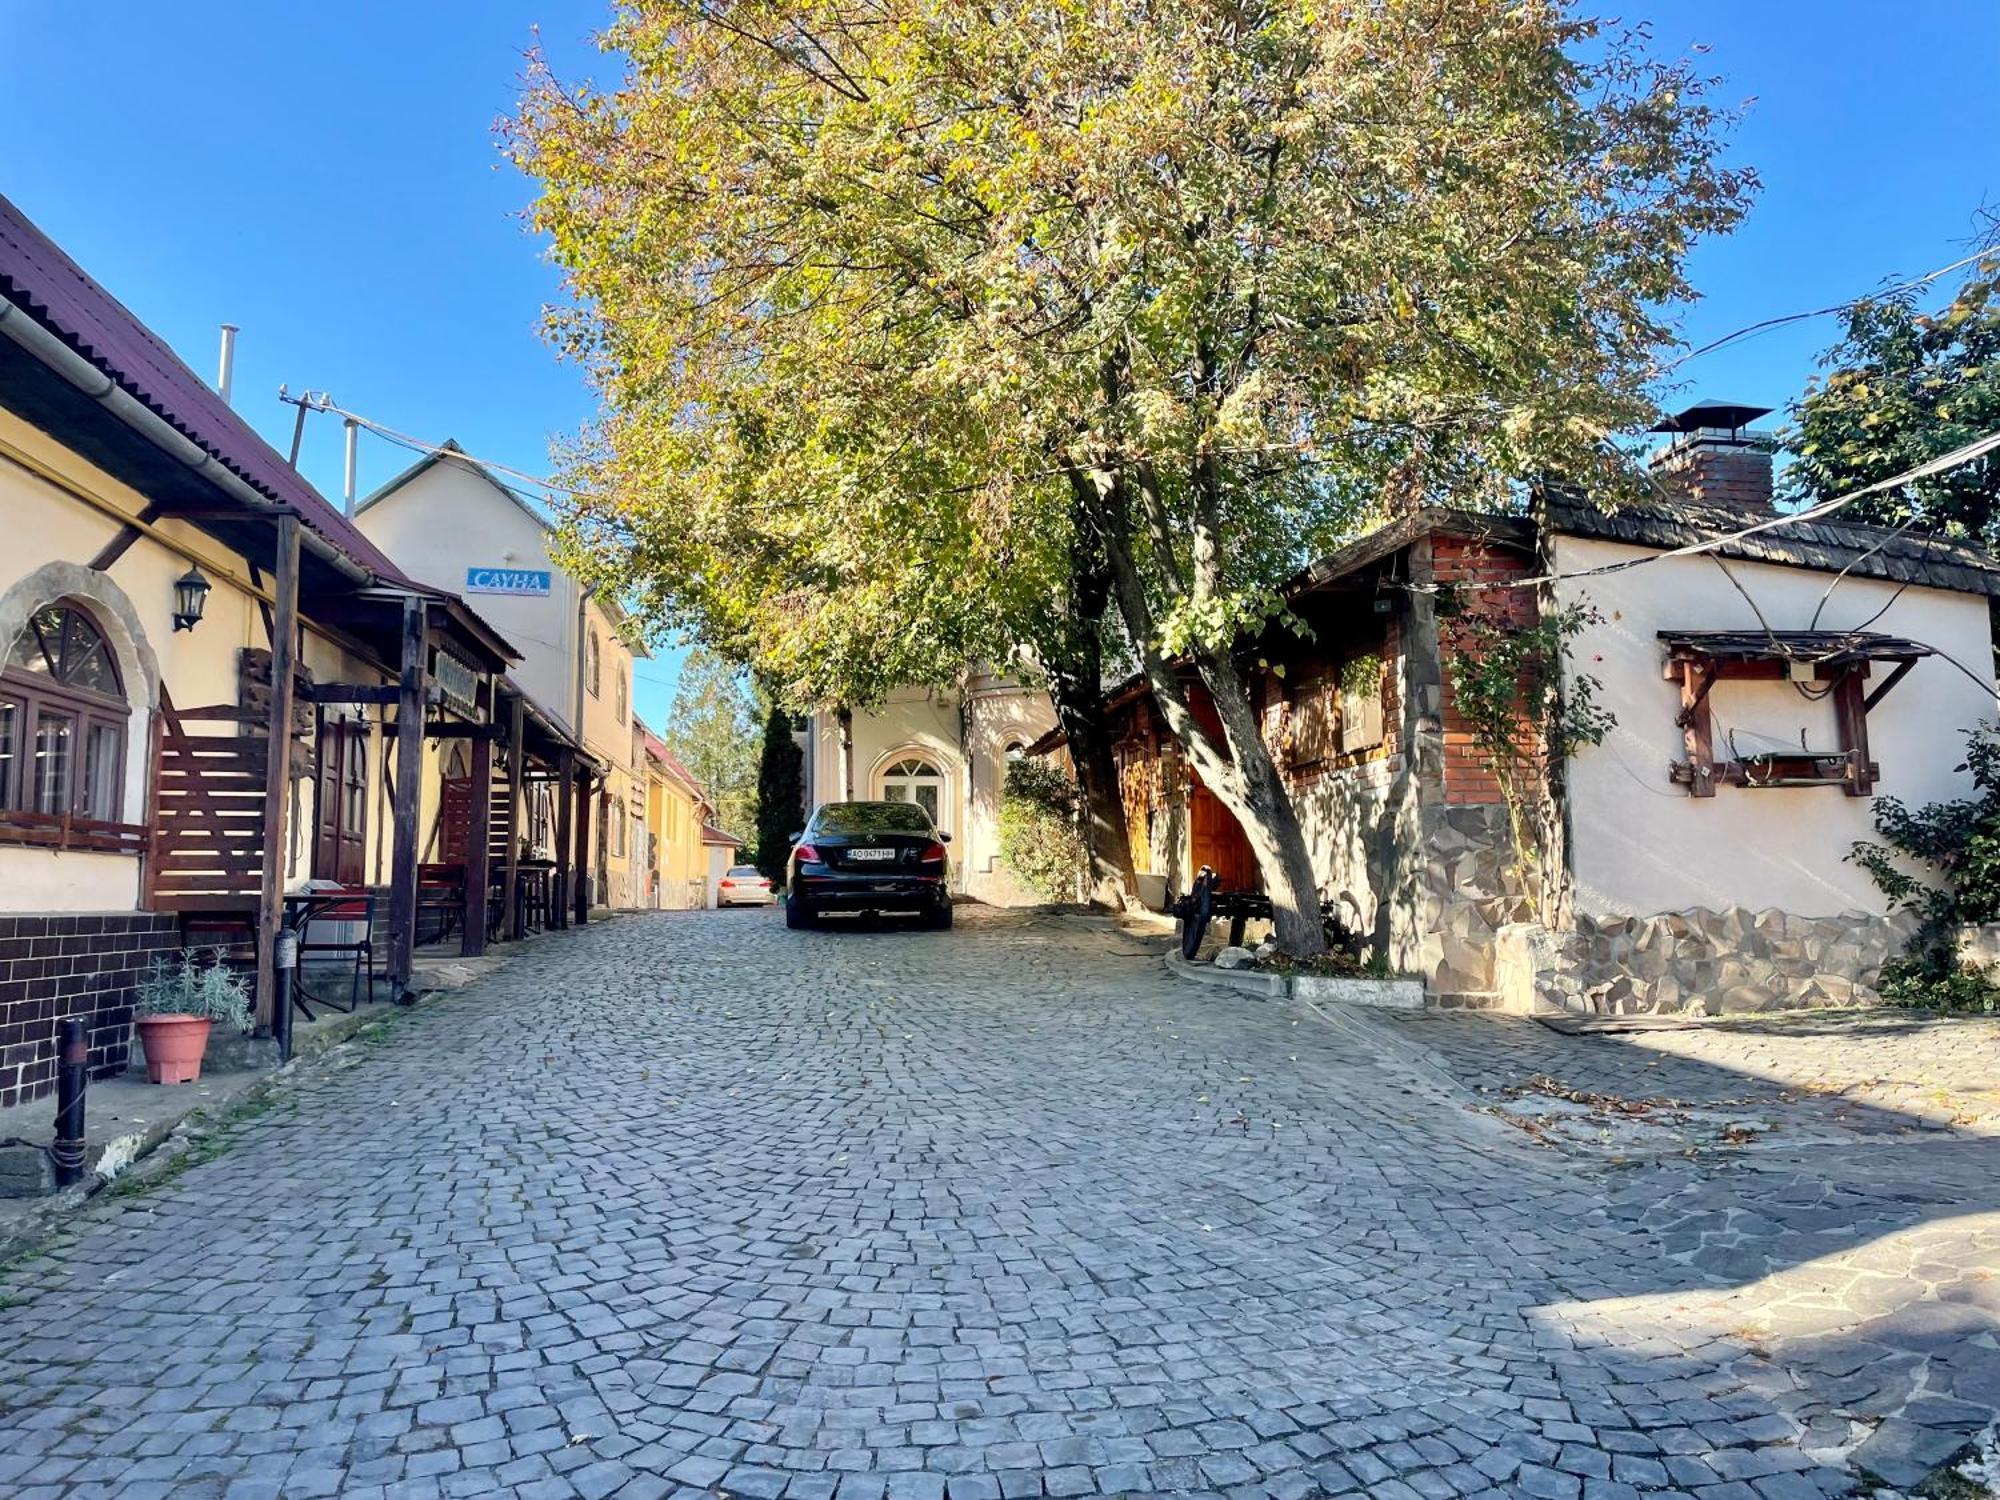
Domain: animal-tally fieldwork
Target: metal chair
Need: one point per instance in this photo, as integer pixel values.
(354, 903)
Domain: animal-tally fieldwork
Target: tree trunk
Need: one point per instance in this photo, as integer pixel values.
(1078, 695)
(1239, 770)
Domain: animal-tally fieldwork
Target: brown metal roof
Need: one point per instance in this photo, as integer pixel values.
(46, 284)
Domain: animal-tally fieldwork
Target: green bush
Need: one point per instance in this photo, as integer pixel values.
(1038, 829)
(1957, 844)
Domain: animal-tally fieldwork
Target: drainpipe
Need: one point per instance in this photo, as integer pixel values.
(52, 352)
(352, 434)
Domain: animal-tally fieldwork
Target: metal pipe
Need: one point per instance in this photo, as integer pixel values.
(352, 435)
(225, 374)
(155, 429)
(72, 1076)
(284, 961)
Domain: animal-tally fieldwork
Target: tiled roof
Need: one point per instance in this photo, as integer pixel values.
(1829, 546)
(45, 283)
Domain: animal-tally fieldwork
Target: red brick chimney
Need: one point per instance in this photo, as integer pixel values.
(1714, 459)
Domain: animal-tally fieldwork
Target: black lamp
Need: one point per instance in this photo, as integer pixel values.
(190, 596)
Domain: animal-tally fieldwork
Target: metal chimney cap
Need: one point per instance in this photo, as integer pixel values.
(1731, 416)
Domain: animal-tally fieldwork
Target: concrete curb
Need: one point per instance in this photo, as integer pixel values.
(1392, 994)
(1244, 981)
(28, 1224)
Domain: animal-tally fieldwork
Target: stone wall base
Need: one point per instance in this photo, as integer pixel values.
(1697, 962)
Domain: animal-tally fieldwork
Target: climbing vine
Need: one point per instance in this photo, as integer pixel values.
(1526, 717)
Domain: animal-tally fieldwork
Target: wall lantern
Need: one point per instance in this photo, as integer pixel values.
(190, 595)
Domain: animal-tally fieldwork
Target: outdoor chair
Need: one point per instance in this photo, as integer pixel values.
(344, 905)
(440, 893)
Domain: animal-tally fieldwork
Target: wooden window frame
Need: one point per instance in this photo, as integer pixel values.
(32, 695)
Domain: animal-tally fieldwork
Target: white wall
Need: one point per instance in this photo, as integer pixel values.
(914, 721)
(448, 519)
(1642, 845)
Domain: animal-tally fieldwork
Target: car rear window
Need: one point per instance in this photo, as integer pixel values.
(742, 869)
(873, 817)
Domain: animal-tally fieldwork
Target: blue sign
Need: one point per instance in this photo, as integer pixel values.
(525, 581)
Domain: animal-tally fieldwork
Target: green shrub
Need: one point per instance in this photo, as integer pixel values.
(1956, 847)
(1038, 829)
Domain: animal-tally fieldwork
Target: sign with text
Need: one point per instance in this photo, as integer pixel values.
(527, 582)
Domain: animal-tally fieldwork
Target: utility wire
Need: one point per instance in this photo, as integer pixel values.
(1765, 325)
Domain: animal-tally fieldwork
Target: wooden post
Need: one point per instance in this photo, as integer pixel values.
(1850, 712)
(582, 821)
(517, 771)
(409, 796)
(559, 903)
(478, 850)
(278, 767)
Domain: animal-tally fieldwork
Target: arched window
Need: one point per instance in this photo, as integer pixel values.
(620, 700)
(915, 780)
(594, 667)
(62, 718)
(1015, 750)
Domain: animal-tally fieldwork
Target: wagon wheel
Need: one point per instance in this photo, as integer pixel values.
(1194, 921)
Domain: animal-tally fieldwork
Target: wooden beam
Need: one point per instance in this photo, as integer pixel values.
(517, 781)
(1851, 714)
(582, 891)
(409, 793)
(120, 544)
(560, 901)
(1882, 688)
(278, 768)
(453, 729)
(1697, 727)
(478, 850)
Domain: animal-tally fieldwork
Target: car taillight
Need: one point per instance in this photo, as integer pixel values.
(728, 884)
(806, 854)
(933, 855)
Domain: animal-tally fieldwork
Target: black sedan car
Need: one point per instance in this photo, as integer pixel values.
(869, 856)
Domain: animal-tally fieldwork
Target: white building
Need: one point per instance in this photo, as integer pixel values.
(946, 749)
(447, 519)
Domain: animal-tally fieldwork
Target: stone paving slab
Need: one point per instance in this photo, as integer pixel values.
(696, 1205)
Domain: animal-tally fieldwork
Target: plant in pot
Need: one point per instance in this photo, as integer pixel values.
(175, 1005)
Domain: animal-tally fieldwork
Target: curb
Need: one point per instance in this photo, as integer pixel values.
(1309, 989)
(146, 1154)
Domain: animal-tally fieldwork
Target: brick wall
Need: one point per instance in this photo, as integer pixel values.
(53, 967)
(1468, 775)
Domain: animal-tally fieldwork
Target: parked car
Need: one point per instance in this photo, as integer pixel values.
(868, 856)
(743, 885)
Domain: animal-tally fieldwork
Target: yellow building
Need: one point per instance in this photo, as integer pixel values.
(676, 808)
(213, 687)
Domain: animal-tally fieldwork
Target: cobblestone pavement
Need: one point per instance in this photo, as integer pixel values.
(1873, 1071)
(693, 1204)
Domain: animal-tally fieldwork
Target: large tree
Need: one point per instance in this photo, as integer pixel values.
(1902, 386)
(712, 729)
(1183, 285)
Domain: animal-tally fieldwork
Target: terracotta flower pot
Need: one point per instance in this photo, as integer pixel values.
(174, 1047)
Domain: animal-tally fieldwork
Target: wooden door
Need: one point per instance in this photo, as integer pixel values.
(340, 802)
(1216, 839)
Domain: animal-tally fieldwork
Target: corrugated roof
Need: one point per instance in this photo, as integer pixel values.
(712, 835)
(45, 283)
(1829, 546)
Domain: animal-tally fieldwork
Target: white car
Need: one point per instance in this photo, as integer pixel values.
(743, 885)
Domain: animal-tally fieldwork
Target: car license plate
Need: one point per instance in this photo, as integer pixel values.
(859, 854)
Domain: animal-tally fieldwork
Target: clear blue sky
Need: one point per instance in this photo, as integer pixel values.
(326, 176)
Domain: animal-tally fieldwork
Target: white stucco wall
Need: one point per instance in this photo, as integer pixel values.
(1642, 845)
(970, 754)
(448, 519)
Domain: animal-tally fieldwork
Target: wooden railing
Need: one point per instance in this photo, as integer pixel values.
(207, 848)
(67, 831)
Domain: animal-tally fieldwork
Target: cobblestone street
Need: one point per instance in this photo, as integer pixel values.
(693, 1204)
